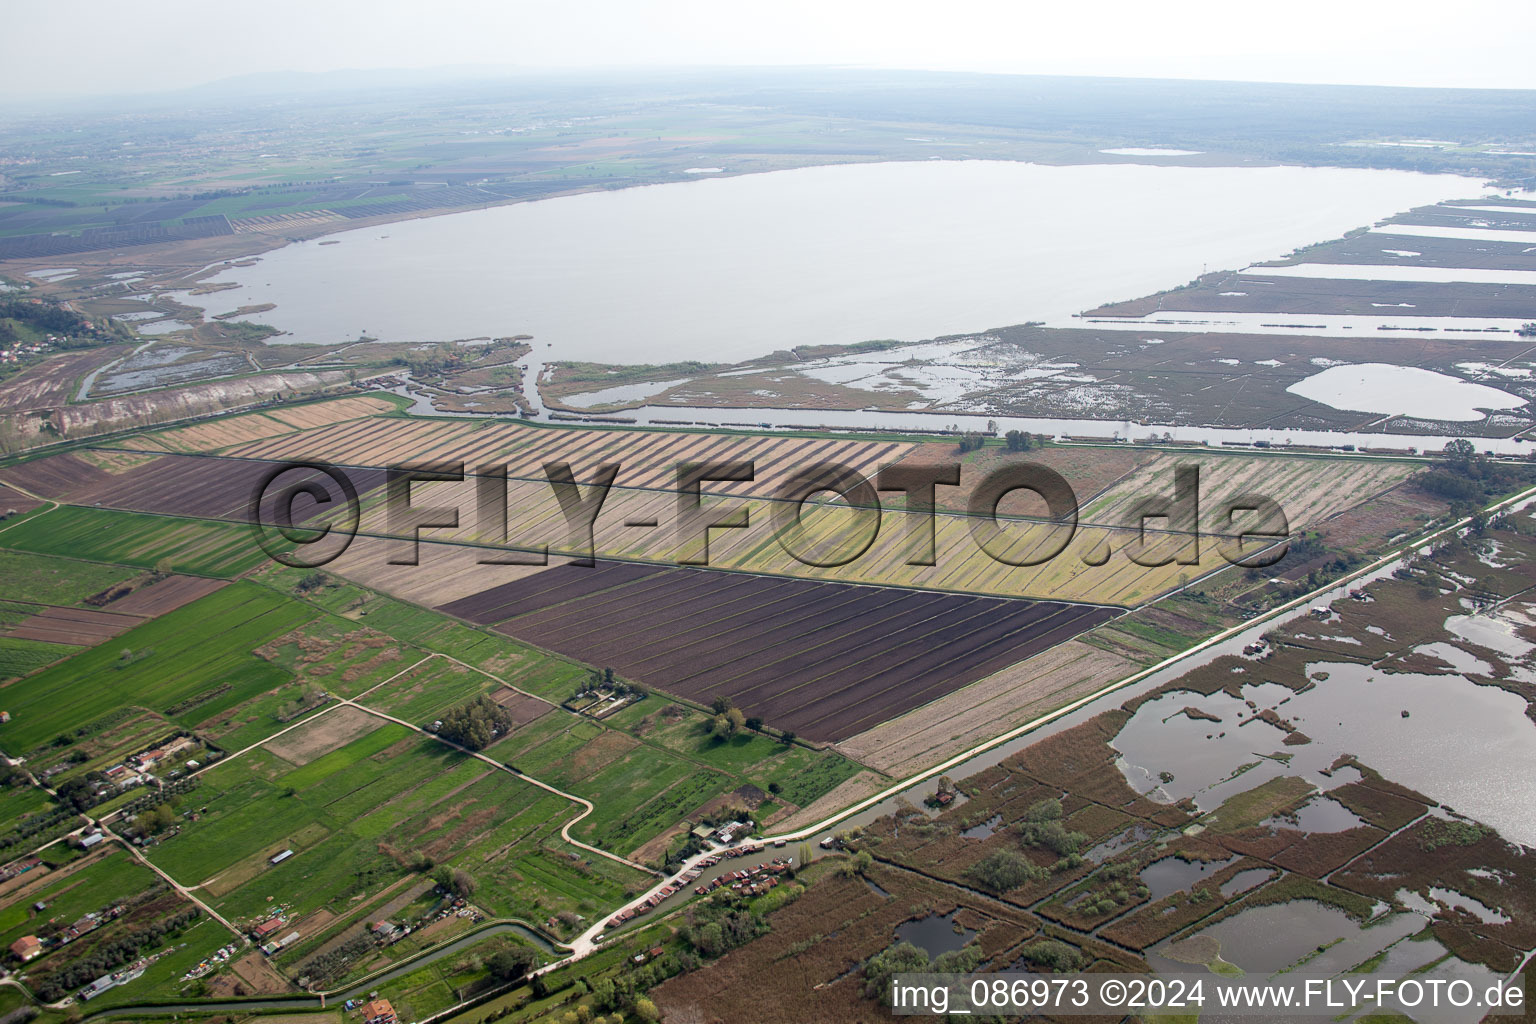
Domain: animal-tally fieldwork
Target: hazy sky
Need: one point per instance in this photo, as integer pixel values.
(58, 47)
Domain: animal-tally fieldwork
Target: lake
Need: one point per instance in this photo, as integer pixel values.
(723, 269)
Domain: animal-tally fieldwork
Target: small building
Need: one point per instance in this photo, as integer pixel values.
(27, 948)
(91, 840)
(97, 987)
(702, 831)
(5, 716)
(379, 1011)
(266, 928)
(279, 858)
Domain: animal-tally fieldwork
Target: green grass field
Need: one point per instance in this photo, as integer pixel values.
(441, 984)
(199, 648)
(162, 981)
(356, 814)
(20, 657)
(53, 580)
(29, 818)
(517, 663)
(424, 693)
(195, 546)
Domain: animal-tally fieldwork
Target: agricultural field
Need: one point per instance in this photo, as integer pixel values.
(188, 486)
(137, 912)
(164, 666)
(823, 660)
(195, 546)
(357, 811)
(828, 540)
(55, 589)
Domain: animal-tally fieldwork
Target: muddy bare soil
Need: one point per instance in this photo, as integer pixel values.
(826, 660)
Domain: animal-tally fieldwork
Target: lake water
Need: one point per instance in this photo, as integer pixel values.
(935, 934)
(730, 268)
(1357, 709)
(1405, 390)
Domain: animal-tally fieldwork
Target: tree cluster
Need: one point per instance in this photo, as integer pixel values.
(905, 958)
(46, 316)
(720, 925)
(1466, 478)
(79, 792)
(477, 724)
(1018, 441)
(972, 440)
(512, 962)
(456, 880)
(1004, 870)
(155, 819)
(1042, 826)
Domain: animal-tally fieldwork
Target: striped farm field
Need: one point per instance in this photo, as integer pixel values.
(1090, 563)
(223, 432)
(199, 486)
(193, 546)
(824, 660)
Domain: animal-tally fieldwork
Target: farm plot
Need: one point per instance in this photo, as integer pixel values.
(1023, 554)
(195, 546)
(164, 595)
(648, 458)
(503, 657)
(355, 814)
(185, 666)
(1088, 563)
(425, 691)
(194, 486)
(14, 502)
(825, 660)
(56, 581)
(639, 790)
(233, 430)
(100, 881)
(80, 627)
(1309, 489)
(29, 817)
(19, 657)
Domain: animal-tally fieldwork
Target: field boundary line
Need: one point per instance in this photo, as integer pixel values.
(587, 806)
(183, 890)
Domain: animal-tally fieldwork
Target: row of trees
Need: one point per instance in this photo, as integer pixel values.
(729, 720)
(106, 957)
(1013, 440)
